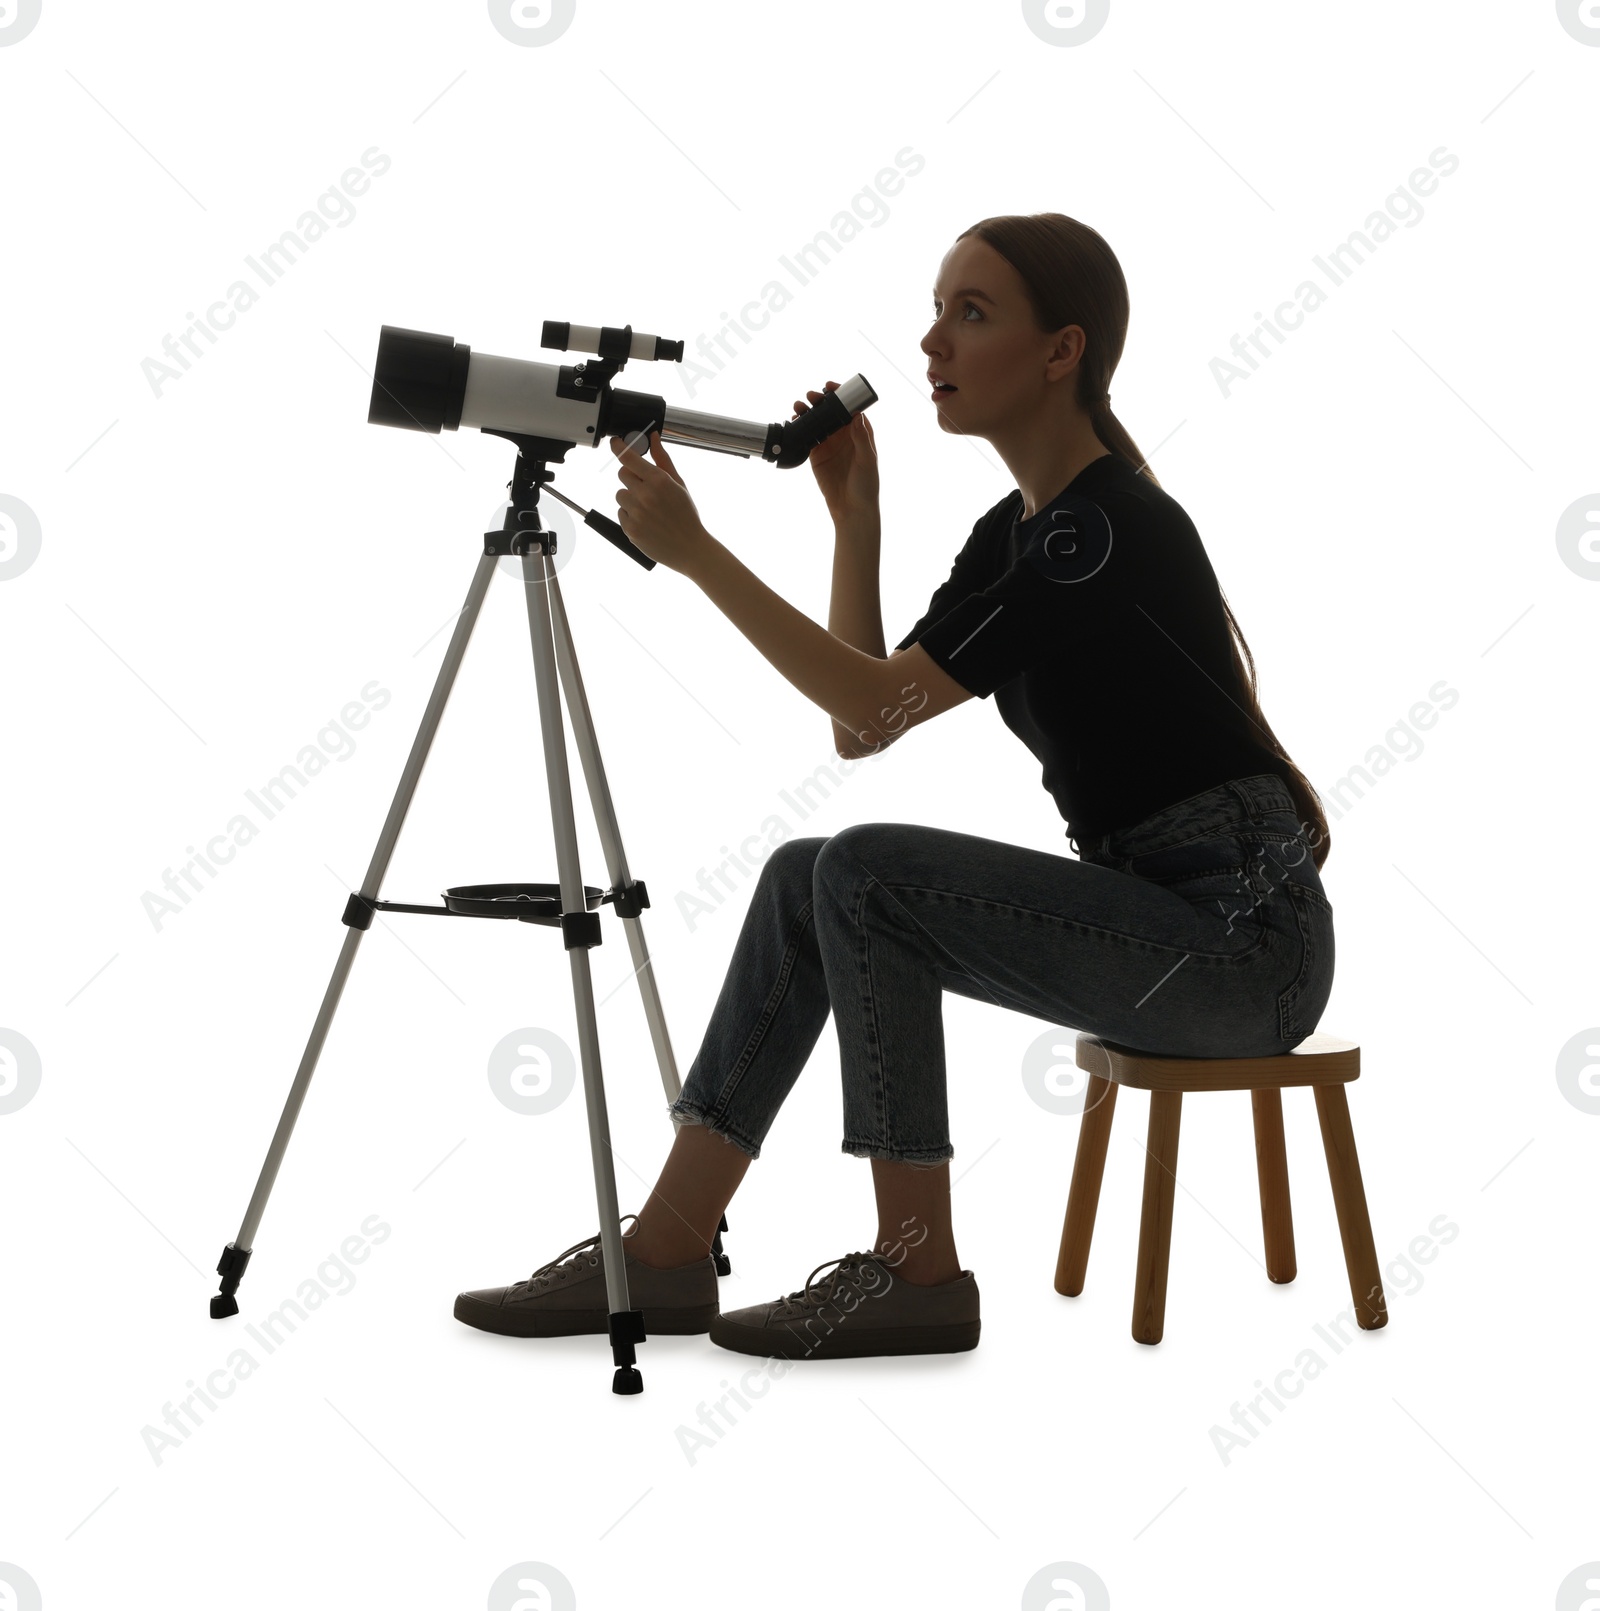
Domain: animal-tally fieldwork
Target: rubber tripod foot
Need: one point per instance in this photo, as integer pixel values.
(230, 1267)
(627, 1379)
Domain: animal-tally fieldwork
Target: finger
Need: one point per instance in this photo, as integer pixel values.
(661, 456)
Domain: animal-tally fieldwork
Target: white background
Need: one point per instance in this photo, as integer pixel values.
(225, 566)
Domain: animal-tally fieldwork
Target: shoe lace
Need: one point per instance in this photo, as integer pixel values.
(586, 1252)
(812, 1295)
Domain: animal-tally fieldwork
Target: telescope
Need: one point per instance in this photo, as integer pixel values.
(426, 382)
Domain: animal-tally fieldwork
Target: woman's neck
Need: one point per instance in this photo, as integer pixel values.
(1044, 461)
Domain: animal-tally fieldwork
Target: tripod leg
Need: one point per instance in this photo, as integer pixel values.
(581, 929)
(236, 1255)
(605, 815)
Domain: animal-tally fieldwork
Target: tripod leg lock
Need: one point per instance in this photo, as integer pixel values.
(631, 901)
(580, 929)
(357, 913)
(627, 1328)
(231, 1268)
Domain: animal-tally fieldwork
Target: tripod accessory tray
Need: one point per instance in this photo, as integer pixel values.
(525, 903)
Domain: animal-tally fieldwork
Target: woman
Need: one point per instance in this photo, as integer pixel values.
(1193, 921)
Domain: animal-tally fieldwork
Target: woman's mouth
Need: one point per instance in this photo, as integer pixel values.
(941, 388)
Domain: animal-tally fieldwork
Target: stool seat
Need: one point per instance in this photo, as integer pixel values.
(1317, 1060)
(1324, 1062)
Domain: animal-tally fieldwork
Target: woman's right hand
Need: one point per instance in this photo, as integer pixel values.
(845, 464)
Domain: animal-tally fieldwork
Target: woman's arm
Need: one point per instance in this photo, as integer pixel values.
(855, 614)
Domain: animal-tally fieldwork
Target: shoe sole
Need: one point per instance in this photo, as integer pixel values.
(581, 1323)
(779, 1342)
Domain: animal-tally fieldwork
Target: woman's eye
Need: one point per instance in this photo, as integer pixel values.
(972, 307)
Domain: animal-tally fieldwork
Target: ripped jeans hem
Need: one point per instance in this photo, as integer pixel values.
(687, 1113)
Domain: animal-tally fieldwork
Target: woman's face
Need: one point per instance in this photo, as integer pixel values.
(984, 343)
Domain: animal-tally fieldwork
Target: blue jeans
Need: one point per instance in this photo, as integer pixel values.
(1203, 931)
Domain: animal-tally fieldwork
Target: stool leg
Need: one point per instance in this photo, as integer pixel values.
(1272, 1170)
(1350, 1202)
(1155, 1221)
(1083, 1196)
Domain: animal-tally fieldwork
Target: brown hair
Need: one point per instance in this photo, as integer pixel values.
(1073, 277)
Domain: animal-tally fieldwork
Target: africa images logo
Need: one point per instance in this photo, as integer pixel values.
(1074, 542)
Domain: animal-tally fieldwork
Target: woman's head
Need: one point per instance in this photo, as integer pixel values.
(1030, 313)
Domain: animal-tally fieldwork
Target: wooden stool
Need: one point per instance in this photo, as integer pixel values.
(1323, 1062)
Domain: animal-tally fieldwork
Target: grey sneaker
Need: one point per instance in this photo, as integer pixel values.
(567, 1297)
(861, 1307)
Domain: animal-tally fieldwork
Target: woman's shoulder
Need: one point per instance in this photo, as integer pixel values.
(1113, 476)
(1131, 499)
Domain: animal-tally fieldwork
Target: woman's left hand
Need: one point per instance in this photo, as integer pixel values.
(654, 508)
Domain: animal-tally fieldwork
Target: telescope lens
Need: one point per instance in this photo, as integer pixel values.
(418, 381)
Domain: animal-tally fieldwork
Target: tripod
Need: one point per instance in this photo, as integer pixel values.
(568, 905)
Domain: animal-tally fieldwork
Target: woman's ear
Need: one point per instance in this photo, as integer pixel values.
(1069, 348)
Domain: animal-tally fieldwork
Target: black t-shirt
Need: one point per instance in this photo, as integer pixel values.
(1099, 628)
